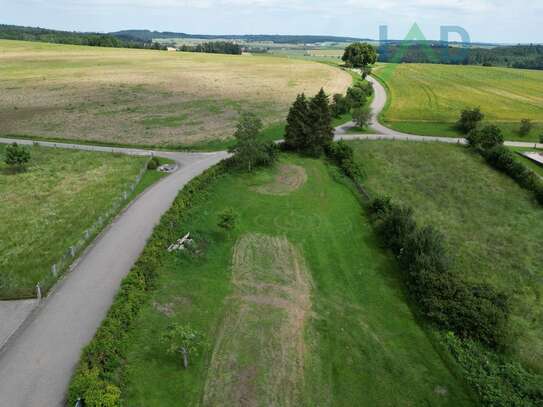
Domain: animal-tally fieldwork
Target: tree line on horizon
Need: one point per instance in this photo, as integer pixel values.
(516, 56)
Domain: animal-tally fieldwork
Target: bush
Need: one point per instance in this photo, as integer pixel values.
(526, 127)
(342, 155)
(340, 105)
(17, 156)
(471, 311)
(485, 138)
(541, 138)
(153, 164)
(469, 119)
(497, 381)
(95, 377)
(227, 219)
(503, 159)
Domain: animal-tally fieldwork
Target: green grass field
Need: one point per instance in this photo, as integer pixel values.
(427, 99)
(145, 97)
(298, 305)
(46, 209)
(493, 228)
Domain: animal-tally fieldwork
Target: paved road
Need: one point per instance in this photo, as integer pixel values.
(384, 133)
(35, 367)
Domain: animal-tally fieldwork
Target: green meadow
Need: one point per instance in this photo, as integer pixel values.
(298, 305)
(47, 208)
(493, 227)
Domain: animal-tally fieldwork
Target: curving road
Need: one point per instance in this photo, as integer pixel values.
(384, 133)
(37, 364)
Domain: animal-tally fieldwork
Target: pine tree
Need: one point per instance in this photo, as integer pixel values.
(321, 132)
(297, 127)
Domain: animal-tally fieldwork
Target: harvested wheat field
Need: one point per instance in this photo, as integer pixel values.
(144, 96)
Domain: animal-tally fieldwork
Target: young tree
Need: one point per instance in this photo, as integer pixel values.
(17, 156)
(362, 116)
(297, 129)
(470, 119)
(227, 219)
(182, 339)
(359, 55)
(526, 127)
(249, 151)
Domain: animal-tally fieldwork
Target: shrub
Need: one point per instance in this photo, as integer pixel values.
(227, 219)
(342, 155)
(497, 381)
(340, 105)
(17, 156)
(503, 159)
(153, 164)
(541, 138)
(469, 119)
(94, 391)
(339, 151)
(485, 138)
(526, 127)
(471, 311)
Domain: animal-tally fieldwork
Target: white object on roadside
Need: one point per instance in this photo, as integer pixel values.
(180, 244)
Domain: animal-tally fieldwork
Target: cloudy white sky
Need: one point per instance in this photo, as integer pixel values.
(486, 20)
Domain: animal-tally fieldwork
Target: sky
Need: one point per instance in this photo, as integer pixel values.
(497, 21)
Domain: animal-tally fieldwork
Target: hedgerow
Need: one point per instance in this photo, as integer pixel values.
(471, 311)
(488, 141)
(503, 159)
(497, 381)
(94, 380)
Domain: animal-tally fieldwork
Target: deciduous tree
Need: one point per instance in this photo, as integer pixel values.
(359, 55)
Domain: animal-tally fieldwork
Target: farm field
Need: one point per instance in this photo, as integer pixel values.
(298, 305)
(493, 228)
(143, 97)
(427, 99)
(46, 209)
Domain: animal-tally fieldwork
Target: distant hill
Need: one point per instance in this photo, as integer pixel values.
(146, 35)
(14, 32)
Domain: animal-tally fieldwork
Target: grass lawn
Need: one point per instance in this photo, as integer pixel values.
(427, 98)
(46, 209)
(493, 228)
(298, 305)
(146, 97)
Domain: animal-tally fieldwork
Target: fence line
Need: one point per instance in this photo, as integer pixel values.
(64, 263)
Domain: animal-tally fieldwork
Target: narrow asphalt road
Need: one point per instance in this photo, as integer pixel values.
(384, 133)
(36, 367)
